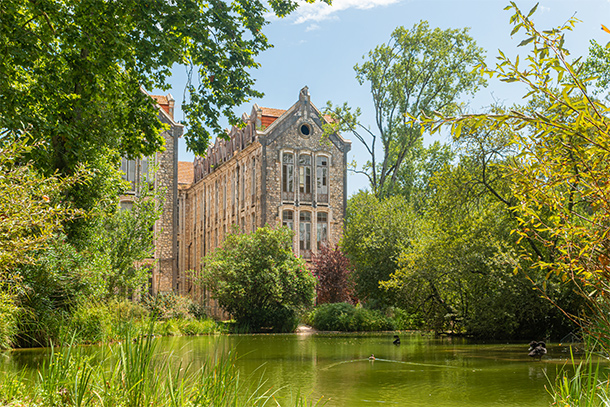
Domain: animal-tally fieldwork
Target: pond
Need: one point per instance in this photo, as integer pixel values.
(421, 371)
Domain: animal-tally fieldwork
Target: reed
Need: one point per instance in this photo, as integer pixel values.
(586, 387)
(136, 373)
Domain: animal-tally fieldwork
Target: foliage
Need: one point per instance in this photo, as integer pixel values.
(560, 176)
(31, 206)
(168, 305)
(342, 316)
(258, 280)
(583, 388)
(332, 269)
(376, 232)
(9, 315)
(414, 179)
(74, 70)
(418, 70)
(127, 239)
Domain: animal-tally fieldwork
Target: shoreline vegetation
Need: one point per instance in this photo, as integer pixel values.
(134, 373)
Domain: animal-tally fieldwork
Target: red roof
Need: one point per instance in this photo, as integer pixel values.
(269, 115)
(162, 101)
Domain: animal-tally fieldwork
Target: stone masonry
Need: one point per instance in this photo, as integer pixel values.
(278, 169)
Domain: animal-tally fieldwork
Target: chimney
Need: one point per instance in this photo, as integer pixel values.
(171, 101)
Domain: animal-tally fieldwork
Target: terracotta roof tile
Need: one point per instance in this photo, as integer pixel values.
(272, 112)
(186, 172)
(162, 100)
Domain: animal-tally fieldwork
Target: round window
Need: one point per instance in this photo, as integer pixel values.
(305, 129)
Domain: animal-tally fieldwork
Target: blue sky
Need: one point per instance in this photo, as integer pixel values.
(318, 46)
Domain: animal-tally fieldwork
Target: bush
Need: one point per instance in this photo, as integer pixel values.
(167, 305)
(9, 314)
(258, 280)
(333, 270)
(348, 318)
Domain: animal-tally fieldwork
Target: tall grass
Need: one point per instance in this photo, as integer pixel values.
(135, 373)
(585, 387)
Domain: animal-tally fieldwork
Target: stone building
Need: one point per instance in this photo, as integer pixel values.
(161, 172)
(278, 169)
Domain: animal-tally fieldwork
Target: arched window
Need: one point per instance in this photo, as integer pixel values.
(288, 176)
(305, 234)
(305, 177)
(288, 219)
(322, 226)
(322, 179)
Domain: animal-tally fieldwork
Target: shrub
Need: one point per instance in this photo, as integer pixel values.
(9, 313)
(258, 280)
(167, 305)
(346, 317)
(333, 270)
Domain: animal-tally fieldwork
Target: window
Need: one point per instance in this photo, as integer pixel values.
(322, 179)
(305, 177)
(243, 186)
(253, 180)
(288, 219)
(287, 176)
(253, 222)
(237, 185)
(146, 166)
(305, 234)
(128, 167)
(322, 226)
(126, 205)
(224, 197)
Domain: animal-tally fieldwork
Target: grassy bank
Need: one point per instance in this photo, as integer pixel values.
(96, 321)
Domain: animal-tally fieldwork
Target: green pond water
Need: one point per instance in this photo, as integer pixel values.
(422, 371)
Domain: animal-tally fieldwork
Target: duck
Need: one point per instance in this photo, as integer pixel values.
(396, 340)
(537, 350)
(372, 357)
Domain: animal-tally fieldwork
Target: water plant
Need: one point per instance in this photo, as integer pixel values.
(136, 373)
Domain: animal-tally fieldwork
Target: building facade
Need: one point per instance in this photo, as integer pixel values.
(279, 169)
(161, 172)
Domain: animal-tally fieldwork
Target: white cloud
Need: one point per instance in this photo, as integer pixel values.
(319, 11)
(312, 27)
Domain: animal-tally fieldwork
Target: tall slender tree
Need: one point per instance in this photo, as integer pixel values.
(418, 70)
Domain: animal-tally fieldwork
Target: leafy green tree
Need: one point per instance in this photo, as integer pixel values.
(258, 280)
(31, 207)
(414, 179)
(418, 70)
(74, 73)
(126, 242)
(458, 272)
(376, 233)
(560, 174)
(74, 70)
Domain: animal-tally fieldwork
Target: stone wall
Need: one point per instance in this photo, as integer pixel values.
(239, 185)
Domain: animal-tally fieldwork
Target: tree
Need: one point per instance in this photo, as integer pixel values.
(419, 70)
(74, 72)
(457, 274)
(332, 269)
(376, 232)
(258, 280)
(31, 208)
(74, 69)
(560, 176)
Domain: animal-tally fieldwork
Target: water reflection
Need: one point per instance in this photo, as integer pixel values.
(422, 371)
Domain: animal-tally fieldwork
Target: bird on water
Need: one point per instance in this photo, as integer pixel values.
(396, 340)
(537, 350)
